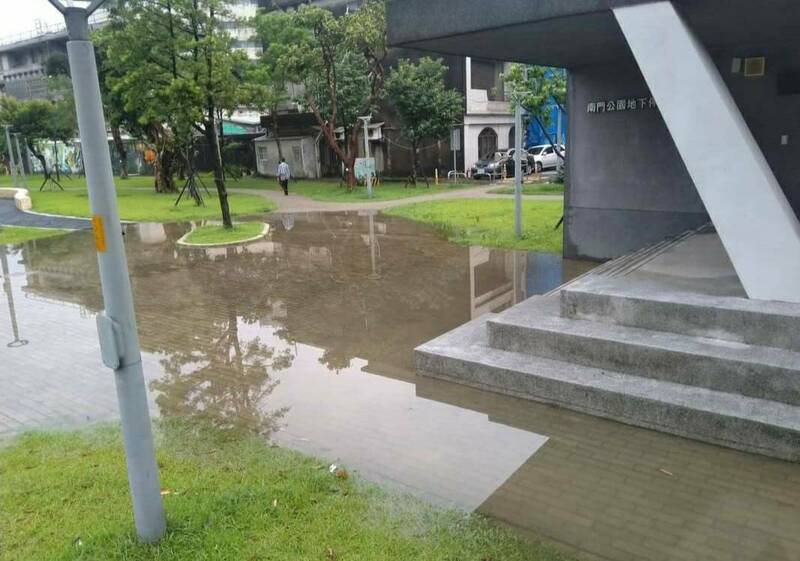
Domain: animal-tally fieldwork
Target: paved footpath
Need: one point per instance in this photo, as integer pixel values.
(11, 216)
(299, 203)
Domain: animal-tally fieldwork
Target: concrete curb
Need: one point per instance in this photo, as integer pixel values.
(22, 199)
(182, 241)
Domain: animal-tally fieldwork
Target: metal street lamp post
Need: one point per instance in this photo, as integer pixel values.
(20, 163)
(119, 341)
(11, 161)
(518, 165)
(368, 179)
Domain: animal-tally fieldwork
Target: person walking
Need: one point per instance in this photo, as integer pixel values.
(283, 175)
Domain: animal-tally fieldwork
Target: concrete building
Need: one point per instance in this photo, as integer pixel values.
(24, 56)
(683, 158)
(487, 123)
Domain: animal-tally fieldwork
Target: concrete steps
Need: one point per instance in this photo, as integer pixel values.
(755, 425)
(643, 350)
(638, 304)
(534, 328)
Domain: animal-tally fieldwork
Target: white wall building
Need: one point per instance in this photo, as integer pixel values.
(488, 120)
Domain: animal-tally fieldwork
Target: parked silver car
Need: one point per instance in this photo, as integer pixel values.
(544, 156)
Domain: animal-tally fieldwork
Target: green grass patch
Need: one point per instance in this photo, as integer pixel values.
(531, 189)
(79, 182)
(18, 234)
(65, 496)
(139, 202)
(145, 205)
(490, 222)
(326, 190)
(331, 191)
(216, 233)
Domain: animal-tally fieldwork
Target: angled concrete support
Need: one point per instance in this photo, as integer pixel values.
(758, 228)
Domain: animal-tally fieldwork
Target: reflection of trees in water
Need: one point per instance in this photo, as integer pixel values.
(223, 381)
(335, 361)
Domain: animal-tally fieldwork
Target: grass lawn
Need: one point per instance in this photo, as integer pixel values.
(144, 205)
(18, 234)
(214, 233)
(138, 201)
(330, 191)
(65, 496)
(490, 222)
(532, 189)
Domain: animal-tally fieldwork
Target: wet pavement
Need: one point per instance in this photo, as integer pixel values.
(10, 215)
(306, 337)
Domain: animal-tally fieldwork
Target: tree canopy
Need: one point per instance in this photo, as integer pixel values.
(537, 88)
(427, 109)
(38, 121)
(171, 65)
(338, 62)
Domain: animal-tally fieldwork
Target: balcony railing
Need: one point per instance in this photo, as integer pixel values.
(43, 29)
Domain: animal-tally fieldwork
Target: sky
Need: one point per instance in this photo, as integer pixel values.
(17, 16)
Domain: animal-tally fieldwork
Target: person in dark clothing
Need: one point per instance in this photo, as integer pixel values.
(284, 175)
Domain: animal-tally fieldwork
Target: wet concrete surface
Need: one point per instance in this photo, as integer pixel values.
(10, 215)
(306, 338)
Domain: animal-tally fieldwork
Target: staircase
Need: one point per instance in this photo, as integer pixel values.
(723, 370)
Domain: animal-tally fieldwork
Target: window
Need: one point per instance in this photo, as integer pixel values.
(487, 142)
(548, 150)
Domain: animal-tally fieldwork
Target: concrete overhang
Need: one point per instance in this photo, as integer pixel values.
(573, 33)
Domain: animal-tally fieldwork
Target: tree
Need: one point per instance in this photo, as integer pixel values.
(174, 66)
(57, 64)
(339, 62)
(427, 109)
(267, 91)
(537, 88)
(39, 121)
(137, 52)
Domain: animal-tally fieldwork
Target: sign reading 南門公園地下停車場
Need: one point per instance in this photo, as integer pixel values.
(621, 104)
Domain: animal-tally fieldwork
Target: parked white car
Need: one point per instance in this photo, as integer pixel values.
(544, 156)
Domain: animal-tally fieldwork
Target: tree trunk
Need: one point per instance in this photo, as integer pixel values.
(39, 156)
(352, 153)
(55, 160)
(414, 163)
(212, 138)
(163, 170)
(122, 152)
(274, 117)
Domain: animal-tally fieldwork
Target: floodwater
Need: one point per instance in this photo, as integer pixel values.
(307, 337)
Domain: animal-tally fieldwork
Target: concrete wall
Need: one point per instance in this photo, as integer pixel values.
(628, 186)
(300, 154)
(770, 115)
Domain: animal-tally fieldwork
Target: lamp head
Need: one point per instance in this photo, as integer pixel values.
(76, 15)
(87, 6)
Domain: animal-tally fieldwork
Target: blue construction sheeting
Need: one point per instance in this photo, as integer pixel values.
(535, 135)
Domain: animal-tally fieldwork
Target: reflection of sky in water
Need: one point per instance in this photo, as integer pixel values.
(379, 426)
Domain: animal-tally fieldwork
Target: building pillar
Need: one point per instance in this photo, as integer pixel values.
(755, 222)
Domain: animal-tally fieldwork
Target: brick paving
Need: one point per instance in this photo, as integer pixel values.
(300, 336)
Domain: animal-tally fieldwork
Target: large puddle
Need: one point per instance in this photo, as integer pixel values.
(307, 338)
